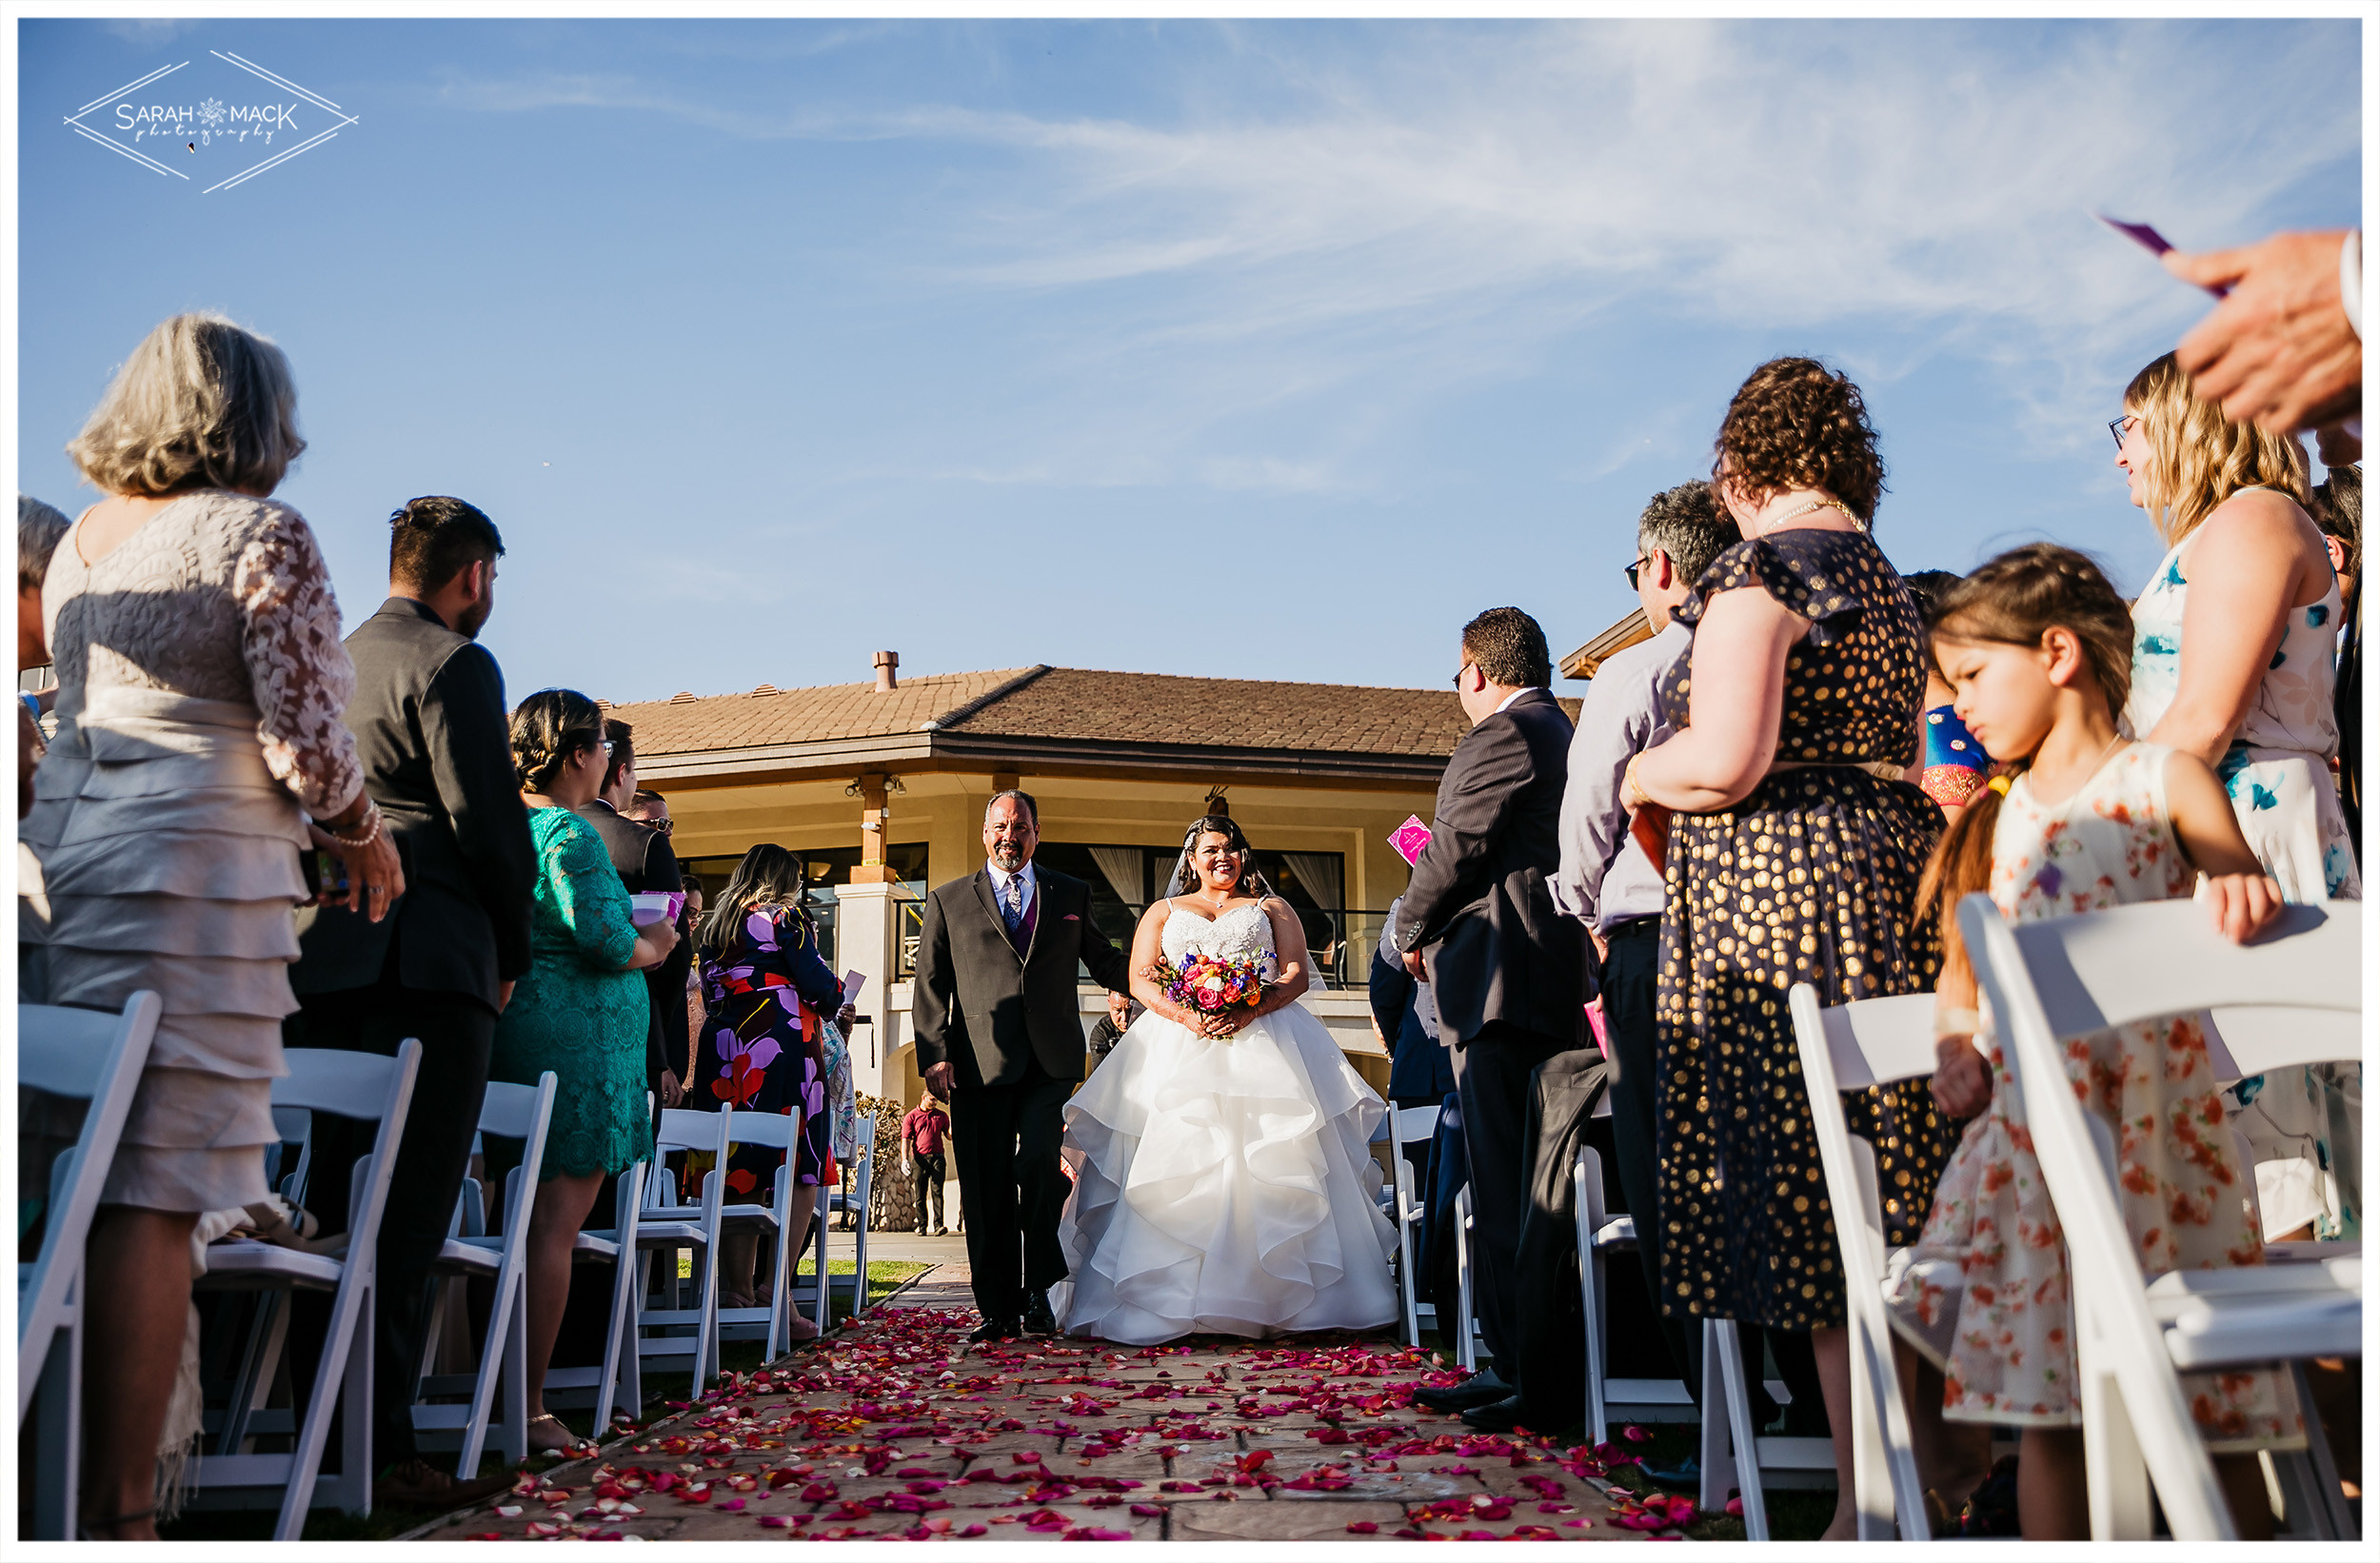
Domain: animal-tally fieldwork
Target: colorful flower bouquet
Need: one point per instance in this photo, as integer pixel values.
(1213, 984)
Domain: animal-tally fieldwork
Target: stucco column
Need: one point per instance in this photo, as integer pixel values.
(867, 923)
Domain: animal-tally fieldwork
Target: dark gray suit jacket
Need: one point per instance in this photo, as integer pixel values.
(432, 731)
(982, 1008)
(1481, 902)
(641, 857)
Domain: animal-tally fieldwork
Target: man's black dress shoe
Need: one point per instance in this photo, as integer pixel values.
(1480, 1388)
(995, 1329)
(1039, 1320)
(1496, 1416)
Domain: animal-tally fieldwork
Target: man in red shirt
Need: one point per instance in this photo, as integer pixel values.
(921, 1136)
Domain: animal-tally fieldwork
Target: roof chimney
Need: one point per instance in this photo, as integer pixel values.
(887, 663)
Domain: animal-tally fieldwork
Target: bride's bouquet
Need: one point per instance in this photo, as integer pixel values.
(1214, 984)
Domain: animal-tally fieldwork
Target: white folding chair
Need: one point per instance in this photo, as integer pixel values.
(765, 1322)
(620, 1379)
(368, 1088)
(1849, 1047)
(1406, 1126)
(96, 1057)
(2290, 997)
(666, 1224)
(1469, 1337)
(513, 1112)
(862, 1182)
(1603, 1234)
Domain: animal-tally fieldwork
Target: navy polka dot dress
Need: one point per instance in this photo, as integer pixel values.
(1810, 878)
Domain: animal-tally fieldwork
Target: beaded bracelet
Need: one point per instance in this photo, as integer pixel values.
(368, 832)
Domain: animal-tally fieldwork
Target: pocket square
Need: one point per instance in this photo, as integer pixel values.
(1072, 917)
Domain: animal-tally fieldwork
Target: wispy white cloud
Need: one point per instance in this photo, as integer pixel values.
(1376, 217)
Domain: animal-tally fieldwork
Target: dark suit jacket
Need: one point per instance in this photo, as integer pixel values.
(430, 730)
(1480, 906)
(982, 1008)
(645, 862)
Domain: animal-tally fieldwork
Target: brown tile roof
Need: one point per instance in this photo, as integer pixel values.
(1158, 708)
(1068, 704)
(685, 724)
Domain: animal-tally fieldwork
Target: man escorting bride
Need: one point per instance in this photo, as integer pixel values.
(1221, 1162)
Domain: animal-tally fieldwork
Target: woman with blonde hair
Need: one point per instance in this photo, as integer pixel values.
(2233, 648)
(200, 681)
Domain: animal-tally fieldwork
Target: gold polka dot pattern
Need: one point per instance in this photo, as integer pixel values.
(1810, 879)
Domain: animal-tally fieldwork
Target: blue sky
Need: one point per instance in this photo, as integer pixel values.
(1250, 350)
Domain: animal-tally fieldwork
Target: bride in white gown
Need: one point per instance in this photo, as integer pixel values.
(1223, 1175)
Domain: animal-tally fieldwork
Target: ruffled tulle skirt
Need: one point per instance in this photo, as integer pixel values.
(1223, 1186)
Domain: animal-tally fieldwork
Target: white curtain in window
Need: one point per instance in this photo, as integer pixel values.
(1324, 874)
(1121, 867)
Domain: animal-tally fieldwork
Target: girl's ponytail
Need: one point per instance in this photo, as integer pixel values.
(1961, 866)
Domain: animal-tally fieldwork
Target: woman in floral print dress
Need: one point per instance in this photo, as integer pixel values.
(2234, 648)
(2037, 645)
(766, 991)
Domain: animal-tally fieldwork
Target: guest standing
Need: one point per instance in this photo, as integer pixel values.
(640, 854)
(581, 1010)
(2338, 510)
(1954, 766)
(921, 1136)
(2234, 644)
(38, 529)
(1793, 856)
(2039, 646)
(200, 680)
(1607, 882)
(430, 730)
(766, 991)
(1404, 1016)
(1506, 968)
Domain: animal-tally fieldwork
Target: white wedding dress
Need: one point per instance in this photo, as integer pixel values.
(1223, 1185)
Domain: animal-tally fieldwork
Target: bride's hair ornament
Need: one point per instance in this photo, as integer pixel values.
(1186, 877)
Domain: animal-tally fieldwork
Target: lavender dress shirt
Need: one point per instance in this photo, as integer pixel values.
(1605, 878)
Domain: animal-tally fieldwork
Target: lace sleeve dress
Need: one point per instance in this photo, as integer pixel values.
(200, 682)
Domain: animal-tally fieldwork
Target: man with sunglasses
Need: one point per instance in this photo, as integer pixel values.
(1607, 882)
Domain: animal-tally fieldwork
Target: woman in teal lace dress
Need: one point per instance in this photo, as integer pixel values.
(581, 1011)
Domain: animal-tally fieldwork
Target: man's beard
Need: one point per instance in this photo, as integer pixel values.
(1007, 859)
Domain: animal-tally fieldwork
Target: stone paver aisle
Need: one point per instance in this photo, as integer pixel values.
(895, 1428)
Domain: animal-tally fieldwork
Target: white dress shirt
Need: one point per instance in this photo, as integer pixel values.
(999, 885)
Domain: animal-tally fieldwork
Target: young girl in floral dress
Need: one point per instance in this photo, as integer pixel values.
(2037, 646)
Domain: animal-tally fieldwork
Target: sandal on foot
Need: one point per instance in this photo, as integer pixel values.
(573, 1443)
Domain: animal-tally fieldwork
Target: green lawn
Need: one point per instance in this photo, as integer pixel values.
(884, 1277)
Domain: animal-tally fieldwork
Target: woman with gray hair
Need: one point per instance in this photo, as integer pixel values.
(200, 684)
